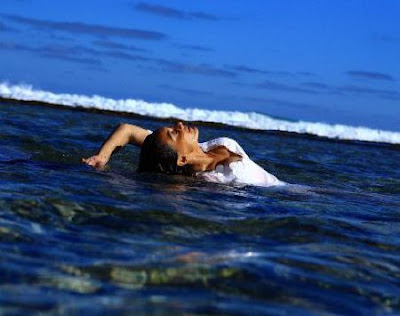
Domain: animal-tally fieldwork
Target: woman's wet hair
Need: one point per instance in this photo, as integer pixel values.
(160, 158)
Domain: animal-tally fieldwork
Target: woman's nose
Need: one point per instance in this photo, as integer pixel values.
(179, 125)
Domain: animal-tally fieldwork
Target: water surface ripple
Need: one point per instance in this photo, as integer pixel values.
(76, 240)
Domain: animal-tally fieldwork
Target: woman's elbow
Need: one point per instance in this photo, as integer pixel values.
(124, 126)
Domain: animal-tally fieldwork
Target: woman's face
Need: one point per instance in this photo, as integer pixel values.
(181, 138)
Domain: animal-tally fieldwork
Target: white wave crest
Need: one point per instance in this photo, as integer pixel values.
(249, 120)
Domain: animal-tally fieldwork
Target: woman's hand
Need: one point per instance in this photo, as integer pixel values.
(96, 161)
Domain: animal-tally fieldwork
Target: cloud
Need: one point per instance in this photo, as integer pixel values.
(89, 29)
(5, 28)
(316, 85)
(318, 88)
(252, 70)
(347, 90)
(160, 10)
(57, 49)
(242, 68)
(70, 54)
(196, 47)
(80, 60)
(12, 46)
(369, 91)
(169, 12)
(58, 37)
(270, 85)
(369, 75)
(72, 51)
(90, 56)
(115, 45)
(204, 16)
(204, 70)
(386, 38)
(186, 91)
(123, 55)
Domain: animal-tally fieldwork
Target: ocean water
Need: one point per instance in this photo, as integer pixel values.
(75, 240)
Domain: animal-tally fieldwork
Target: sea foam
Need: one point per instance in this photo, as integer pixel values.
(251, 120)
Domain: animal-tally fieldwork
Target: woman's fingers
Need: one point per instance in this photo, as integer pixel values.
(94, 161)
(89, 161)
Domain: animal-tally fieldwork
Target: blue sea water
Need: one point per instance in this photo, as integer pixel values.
(74, 240)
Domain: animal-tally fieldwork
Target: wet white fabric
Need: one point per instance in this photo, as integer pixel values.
(245, 171)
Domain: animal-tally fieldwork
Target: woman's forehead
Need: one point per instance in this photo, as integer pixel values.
(162, 134)
(162, 130)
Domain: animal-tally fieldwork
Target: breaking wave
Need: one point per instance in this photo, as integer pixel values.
(251, 120)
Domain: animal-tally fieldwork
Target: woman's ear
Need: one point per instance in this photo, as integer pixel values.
(182, 160)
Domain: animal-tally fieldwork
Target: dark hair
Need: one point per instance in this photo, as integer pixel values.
(161, 158)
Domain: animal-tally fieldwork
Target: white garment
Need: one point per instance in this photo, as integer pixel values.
(244, 171)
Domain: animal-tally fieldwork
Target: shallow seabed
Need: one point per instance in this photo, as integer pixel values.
(74, 240)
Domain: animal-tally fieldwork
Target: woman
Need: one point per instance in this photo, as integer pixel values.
(176, 150)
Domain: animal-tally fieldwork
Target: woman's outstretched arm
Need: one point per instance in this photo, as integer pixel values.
(122, 135)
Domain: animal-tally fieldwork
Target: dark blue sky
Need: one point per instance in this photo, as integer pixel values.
(331, 61)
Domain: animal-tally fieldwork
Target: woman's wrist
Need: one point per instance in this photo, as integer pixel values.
(104, 155)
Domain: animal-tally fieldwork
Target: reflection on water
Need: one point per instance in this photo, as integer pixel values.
(76, 240)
